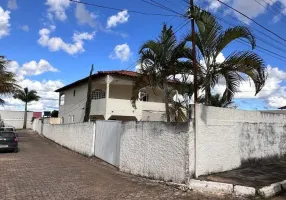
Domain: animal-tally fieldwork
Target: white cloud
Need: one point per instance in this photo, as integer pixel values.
(12, 4)
(250, 8)
(121, 52)
(57, 9)
(121, 18)
(57, 44)
(4, 23)
(83, 16)
(25, 28)
(31, 68)
(45, 89)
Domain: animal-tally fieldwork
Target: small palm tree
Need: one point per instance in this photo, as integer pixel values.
(160, 59)
(26, 96)
(7, 79)
(211, 40)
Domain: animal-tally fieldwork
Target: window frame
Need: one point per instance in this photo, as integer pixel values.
(98, 94)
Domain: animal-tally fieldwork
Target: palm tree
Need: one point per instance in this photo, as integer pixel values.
(217, 101)
(26, 96)
(7, 79)
(210, 42)
(160, 60)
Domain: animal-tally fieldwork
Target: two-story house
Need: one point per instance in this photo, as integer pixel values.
(111, 93)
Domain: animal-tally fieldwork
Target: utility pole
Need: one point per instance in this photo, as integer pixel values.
(195, 84)
(194, 53)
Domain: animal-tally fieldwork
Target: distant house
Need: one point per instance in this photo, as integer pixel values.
(111, 93)
(37, 115)
(15, 118)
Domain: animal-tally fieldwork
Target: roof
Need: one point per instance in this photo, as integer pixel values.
(131, 74)
(282, 108)
(99, 74)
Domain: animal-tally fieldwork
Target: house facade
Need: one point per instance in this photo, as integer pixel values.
(111, 93)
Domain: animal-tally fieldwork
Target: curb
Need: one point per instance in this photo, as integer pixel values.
(237, 190)
(223, 188)
(271, 190)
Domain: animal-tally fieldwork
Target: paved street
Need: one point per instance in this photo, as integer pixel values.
(44, 170)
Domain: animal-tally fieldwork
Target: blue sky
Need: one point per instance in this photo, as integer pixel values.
(54, 42)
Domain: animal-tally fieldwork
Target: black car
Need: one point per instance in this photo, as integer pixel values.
(8, 141)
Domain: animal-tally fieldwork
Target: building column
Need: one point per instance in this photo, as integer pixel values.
(108, 80)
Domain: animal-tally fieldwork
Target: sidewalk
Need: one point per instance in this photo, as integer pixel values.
(253, 175)
(256, 175)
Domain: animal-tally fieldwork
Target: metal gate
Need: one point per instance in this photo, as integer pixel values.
(107, 141)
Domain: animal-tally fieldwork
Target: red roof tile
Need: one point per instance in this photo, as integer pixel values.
(103, 73)
(120, 72)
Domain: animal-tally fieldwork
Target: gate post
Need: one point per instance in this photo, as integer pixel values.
(93, 139)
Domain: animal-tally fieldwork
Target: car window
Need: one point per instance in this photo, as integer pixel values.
(1, 129)
(9, 129)
(7, 134)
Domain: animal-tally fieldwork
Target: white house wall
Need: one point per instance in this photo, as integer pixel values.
(74, 105)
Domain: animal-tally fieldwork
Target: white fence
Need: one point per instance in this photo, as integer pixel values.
(223, 140)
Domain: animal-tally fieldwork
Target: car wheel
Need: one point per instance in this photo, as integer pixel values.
(16, 150)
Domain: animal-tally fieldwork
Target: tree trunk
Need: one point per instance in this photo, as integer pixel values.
(166, 96)
(208, 96)
(25, 117)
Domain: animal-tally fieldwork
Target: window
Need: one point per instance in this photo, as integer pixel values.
(73, 92)
(143, 96)
(69, 118)
(62, 99)
(73, 118)
(97, 94)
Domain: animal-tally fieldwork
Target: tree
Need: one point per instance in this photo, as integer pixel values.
(160, 60)
(26, 96)
(88, 97)
(211, 40)
(7, 79)
(217, 101)
(55, 113)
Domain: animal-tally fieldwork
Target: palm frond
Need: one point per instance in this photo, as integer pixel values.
(231, 35)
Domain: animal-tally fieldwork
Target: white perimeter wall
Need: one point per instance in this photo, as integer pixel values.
(37, 125)
(156, 150)
(16, 118)
(77, 137)
(227, 137)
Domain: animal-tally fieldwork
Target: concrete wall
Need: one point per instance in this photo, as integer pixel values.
(228, 137)
(156, 150)
(77, 137)
(37, 126)
(15, 118)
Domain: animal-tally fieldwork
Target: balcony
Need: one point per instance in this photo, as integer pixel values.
(108, 108)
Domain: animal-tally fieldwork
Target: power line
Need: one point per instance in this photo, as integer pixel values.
(182, 25)
(252, 20)
(267, 8)
(283, 50)
(251, 28)
(156, 4)
(120, 9)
